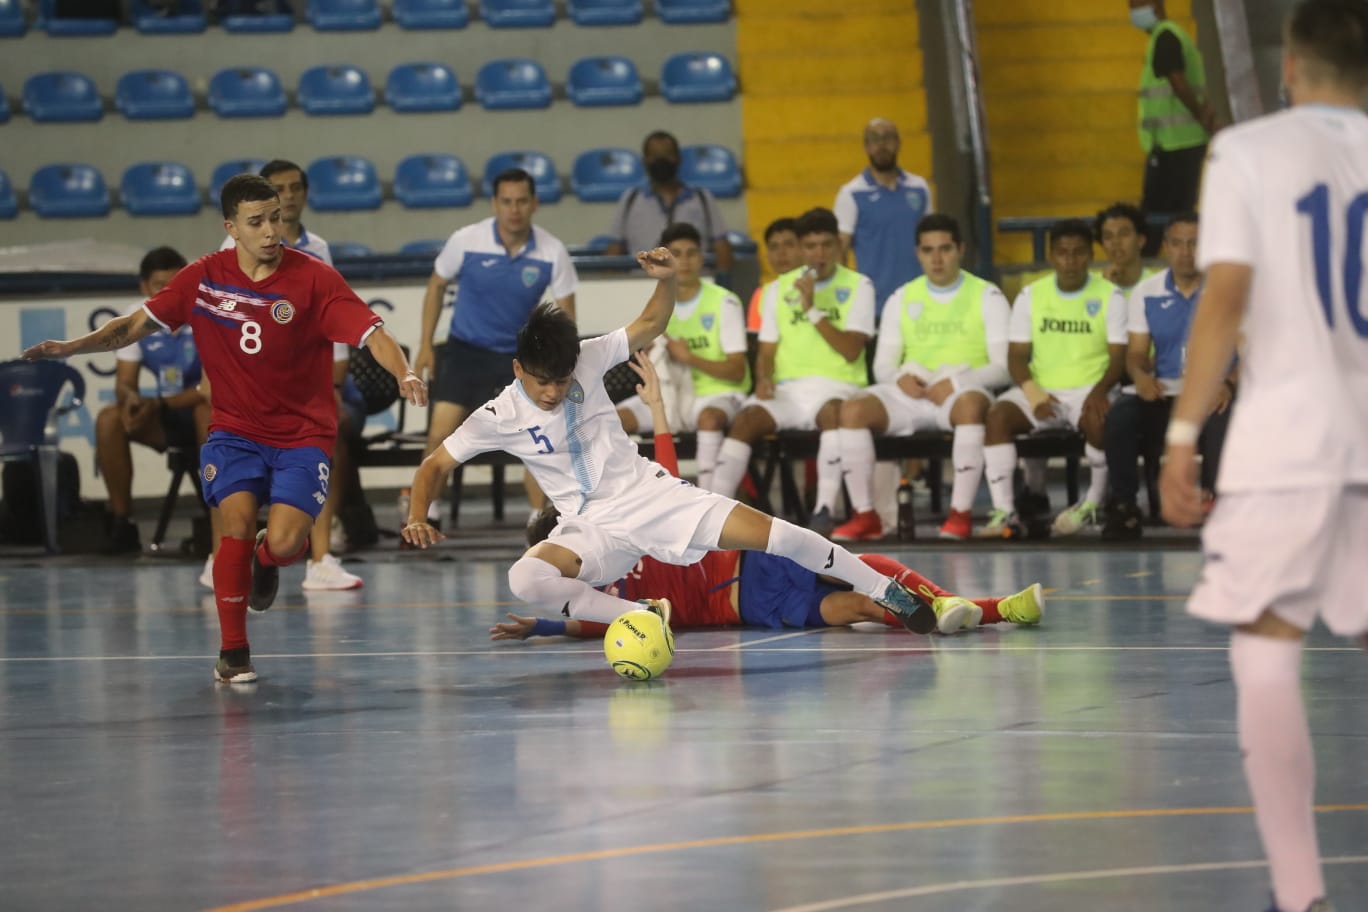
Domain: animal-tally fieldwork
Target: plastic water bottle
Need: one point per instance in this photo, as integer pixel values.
(907, 527)
(404, 497)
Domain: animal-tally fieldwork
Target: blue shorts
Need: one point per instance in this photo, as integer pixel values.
(297, 476)
(777, 593)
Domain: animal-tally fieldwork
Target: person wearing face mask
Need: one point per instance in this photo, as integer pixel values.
(1174, 116)
(643, 213)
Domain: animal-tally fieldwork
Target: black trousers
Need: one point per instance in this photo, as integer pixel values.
(1172, 179)
(1136, 428)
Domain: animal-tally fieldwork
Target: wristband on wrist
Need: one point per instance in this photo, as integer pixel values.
(547, 627)
(815, 315)
(1182, 432)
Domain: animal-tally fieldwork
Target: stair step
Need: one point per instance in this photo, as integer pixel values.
(826, 164)
(1011, 115)
(1061, 147)
(1120, 76)
(1032, 187)
(853, 34)
(1082, 41)
(777, 9)
(1001, 12)
(804, 117)
(766, 75)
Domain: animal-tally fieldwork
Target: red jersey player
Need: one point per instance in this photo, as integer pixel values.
(264, 318)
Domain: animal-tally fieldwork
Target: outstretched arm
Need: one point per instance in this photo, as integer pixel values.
(642, 331)
(438, 465)
(390, 356)
(117, 333)
(649, 391)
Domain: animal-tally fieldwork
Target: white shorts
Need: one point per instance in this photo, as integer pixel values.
(1067, 414)
(907, 415)
(669, 519)
(727, 403)
(1302, 553)
(796, 402)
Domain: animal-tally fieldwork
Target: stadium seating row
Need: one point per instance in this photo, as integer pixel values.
(506, 84)
(347, 183)
(360, 15)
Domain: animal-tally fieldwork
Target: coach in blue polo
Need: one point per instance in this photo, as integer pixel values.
(503, 266)
(878, 213)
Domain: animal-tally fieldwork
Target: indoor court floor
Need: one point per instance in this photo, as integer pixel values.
(392, 758)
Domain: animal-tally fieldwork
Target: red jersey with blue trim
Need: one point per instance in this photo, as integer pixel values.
(267, 346)
(699, 594)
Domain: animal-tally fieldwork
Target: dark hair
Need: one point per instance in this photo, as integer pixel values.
(159, 260)
(548, 345)
(1334, 32)
(1120, 210)
(1071, 227)
(939, 221)
(780, 224)
(680, 231)
(280, 166)
(1187, 217)
(244, 188)
(817, 221)
(539, 528)
(659, 134)
(513, 176)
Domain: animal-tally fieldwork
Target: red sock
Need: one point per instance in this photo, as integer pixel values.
(916, 582)
(267, 559)
(232, 580)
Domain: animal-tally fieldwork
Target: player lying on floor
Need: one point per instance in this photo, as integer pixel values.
(730, 588)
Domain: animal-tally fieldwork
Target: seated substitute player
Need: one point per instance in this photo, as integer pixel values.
(784, 254)
(264, 318)
(706, 334)
(616, 505)
(1121, 230)
(942, 351)
(1065, 352)
(723, 590)
(815, 322)
(164, 421)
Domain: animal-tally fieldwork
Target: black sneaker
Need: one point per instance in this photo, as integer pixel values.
(122, 537)
(235, 666)
(265, 580)
(822, 523)
(1124, 523)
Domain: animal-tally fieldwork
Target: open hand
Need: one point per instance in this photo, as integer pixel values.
(421, 535)
(49, 349)
(658, 263)
(516, 627)
(649, 387)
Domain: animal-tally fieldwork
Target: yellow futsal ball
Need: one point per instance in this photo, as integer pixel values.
(639, 645)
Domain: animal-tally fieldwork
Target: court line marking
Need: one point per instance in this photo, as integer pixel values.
(957, 886)
(746, 644)
(399, 880)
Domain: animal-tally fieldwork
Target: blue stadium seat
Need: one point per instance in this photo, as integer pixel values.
(430, 14)
(518, 13)
(4, 106)
(281, 20)
(421, 87)
(9, 203)
(336, 89)
(68, 191)
(540, 166)
(711, 167)
(67, 27)
(62, 97)
(512, 83)
(349, 250)
(602, 175)
(432, 181)
(246, 92)
(343, 182)
(159, 188)
(605, 12)
(343, 15)
(12, 24)
(154, 95)
(188, 19)
(688, 12)
(428, 247)
(600, 242)
(600, 81)
(232, 169)
(697, 76)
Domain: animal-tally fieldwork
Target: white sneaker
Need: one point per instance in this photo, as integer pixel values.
(328, 574)
(206, 577)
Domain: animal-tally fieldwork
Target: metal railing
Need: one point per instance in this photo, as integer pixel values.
(971, 125)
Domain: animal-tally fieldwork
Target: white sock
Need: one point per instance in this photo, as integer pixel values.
(999, 462)
(709, 442)
(828, 470)
(808, 549)
(1033, 474)
(857, 467)
(732, 460)
(1278, 762)
(1097, 474)
(966, 455)
(541, 585)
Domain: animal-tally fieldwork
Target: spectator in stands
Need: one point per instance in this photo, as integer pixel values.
(1065, 353)
(783, 254)
(643, 213)
(878, 212)
(1175, 117)
(503, 267)
(1159, 314)
(814, 325)
(941, 354)
(164, 421)
(1122, 231)
(706, 341)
